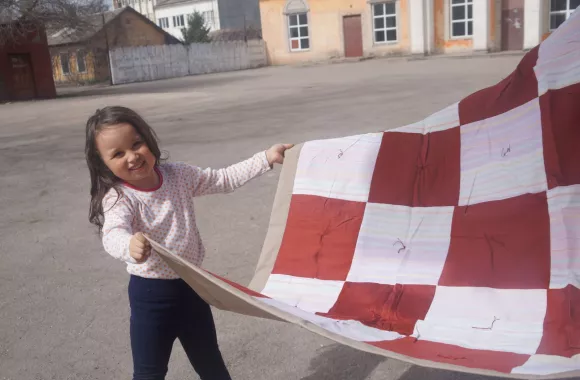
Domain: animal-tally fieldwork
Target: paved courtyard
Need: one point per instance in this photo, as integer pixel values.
(63, 301)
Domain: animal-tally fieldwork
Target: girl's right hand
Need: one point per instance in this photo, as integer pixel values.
(139, 248)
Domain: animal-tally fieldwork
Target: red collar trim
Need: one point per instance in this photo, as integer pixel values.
(148, 190)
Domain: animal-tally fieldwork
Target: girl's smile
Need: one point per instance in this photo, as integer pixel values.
(138, 167)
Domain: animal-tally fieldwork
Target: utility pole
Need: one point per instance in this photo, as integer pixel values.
(245, 30)
(108, 51)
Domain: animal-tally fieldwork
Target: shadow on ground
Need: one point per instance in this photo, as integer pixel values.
(417, 373)
(338, 362)
(183, 84)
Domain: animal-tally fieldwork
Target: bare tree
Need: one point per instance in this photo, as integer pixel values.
(20, 17)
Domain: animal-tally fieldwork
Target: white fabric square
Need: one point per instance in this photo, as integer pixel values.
(502, 157)
(548, 365)
(558, 56)
(509, 320)
(338, 168)
(558, 73)
(564, 209)
(402, 245)
(350, 328)
(442, 120)
(309, 294)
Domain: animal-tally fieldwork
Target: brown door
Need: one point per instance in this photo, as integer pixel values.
(352, 28)
(23, 79)
(512, 25)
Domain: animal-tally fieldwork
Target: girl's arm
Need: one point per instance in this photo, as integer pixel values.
(213, 181)
(117, 229)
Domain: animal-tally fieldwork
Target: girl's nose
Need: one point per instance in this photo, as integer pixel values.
(133, 157)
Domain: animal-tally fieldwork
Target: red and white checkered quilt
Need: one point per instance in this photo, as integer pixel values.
(453, 242)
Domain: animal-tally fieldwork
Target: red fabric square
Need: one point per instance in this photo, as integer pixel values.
(454, 355)
(503, 244)
(562, 324)
(518, 88)
(561, 134)
(320, 237)
(386, 307)
(418, 170)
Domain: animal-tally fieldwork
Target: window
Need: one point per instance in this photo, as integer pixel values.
(163, 22)
(461, 18)
(385, 22)
(178, 21)
(64, 64)
(208, 17)
(81, 61)
(560, 10)
(298, 24)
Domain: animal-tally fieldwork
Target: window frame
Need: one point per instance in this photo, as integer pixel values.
(165, 24)
(466, 20)
(298, 26)
(568, 11)
(385, 29)
(83, 54)
(209, 20)
(67, 59)
(180, 18)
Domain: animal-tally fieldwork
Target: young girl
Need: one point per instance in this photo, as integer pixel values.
(133, 192)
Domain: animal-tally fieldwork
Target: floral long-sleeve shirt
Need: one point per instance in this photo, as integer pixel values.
(167, 214)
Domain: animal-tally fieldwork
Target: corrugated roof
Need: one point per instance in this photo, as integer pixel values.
(236, 34)
(95, 24)
(92, 25)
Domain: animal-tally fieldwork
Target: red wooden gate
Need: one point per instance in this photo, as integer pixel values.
(352, 30)
(22, 77)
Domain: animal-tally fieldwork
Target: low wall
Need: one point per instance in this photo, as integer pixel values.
(147, 63)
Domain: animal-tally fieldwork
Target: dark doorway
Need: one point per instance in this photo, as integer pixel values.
(512, 25)
(352, 28)
(22, 77)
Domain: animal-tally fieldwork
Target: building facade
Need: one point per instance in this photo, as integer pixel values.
(229, 15)
(84, 58)
(313, 30)
(172, 14)
(25, 68)
(239, 14)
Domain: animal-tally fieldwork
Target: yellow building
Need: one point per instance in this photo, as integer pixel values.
(314, 30)
(80, 57)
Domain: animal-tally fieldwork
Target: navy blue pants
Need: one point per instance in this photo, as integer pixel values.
(163, 310)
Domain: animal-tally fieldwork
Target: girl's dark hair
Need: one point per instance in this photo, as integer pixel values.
(103, 179)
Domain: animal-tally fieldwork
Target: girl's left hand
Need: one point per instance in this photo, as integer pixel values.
(275, 154)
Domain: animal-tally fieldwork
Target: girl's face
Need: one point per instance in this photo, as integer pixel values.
(127, 155)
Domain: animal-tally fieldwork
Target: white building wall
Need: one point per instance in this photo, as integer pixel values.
(417, 21)
(187, 9)
(532, 23)
(481, 25)
(429, 13)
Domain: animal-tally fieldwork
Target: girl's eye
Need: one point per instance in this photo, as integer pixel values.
(137, 144)
(118, 155)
